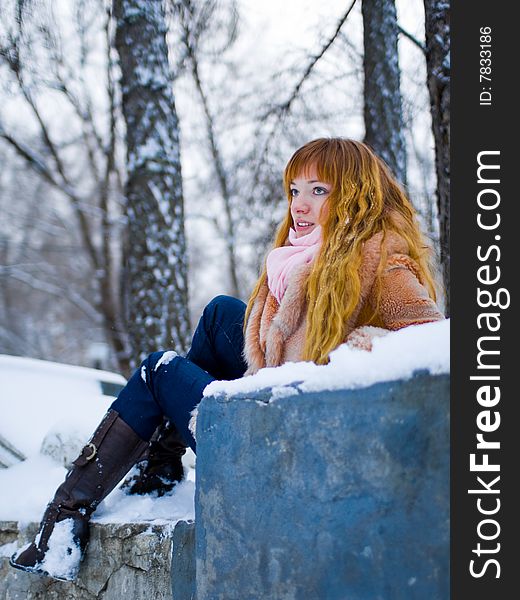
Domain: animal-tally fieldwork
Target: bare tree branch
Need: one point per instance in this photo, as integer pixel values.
(94, 193)
(281, 110)
(284, 108)
(34, 160)
(40, 167)
(216, 154)
(44, 286)
(13, 340)
(413, 39)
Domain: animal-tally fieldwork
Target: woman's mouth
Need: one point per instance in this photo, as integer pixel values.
(303, 225)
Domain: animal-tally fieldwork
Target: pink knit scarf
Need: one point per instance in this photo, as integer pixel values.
(282, 261)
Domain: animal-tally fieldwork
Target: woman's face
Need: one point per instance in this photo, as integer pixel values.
(309, 196)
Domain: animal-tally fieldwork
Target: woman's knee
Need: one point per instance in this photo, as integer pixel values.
(154, 360)
(225, 306)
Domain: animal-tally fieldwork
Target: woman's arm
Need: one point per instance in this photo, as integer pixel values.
(404, 300)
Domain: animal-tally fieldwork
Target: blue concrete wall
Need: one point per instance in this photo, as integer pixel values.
(183, 561)
(338, 495)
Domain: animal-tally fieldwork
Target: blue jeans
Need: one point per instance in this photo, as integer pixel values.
(172, 388)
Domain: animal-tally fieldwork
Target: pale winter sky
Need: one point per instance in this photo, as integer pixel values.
(302, 22)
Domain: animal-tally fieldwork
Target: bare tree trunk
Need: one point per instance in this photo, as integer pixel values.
(384, 128)
(157, 287)
(437, 22)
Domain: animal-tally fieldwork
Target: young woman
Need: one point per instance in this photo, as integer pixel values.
(348, 262)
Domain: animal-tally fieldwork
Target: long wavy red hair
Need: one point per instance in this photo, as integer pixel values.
(365, 199)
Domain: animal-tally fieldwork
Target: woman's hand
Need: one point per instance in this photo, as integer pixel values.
(361, 338)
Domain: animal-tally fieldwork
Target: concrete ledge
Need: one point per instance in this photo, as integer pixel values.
(337, 495)
(130, 561)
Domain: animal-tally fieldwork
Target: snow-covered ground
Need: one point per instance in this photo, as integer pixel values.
(37, 397)
(47, 412)
(27, 486)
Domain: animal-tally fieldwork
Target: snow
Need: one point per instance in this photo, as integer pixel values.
(41, 395)
(7, 550)
(27, 488)
(30, 485)
(178, 505)
(48, 412)
(63, 556)
(396, 355)
(166, 358)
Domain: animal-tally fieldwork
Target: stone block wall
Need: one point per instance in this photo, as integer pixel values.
(133, 561)
(339, 495)
(183, 561)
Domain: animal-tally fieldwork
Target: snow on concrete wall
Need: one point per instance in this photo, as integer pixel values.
(332, 494)
(320, 494)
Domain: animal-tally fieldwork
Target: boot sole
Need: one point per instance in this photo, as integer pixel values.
(37, 571)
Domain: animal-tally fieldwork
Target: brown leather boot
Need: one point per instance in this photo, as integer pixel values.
(64, 531)
(161, 468)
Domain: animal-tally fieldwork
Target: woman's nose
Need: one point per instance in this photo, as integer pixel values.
(300, 204)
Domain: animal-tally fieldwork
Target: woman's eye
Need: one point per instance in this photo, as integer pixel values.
(293, 192)
(319, 191)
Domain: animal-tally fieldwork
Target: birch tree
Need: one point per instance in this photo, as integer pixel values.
(384, 127)
(437, 25)
(157, 288)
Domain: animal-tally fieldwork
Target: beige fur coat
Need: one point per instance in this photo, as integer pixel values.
(275, 332)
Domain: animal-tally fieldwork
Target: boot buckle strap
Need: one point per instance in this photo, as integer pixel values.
(87, 454)
(90, 450)
(93, 451)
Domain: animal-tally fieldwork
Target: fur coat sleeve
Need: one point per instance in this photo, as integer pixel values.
(403, 301)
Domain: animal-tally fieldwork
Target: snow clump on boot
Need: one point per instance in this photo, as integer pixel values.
(63, 557)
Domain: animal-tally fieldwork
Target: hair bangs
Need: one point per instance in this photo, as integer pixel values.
(320, 154)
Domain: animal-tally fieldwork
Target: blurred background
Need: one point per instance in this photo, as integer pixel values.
(142, 146)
